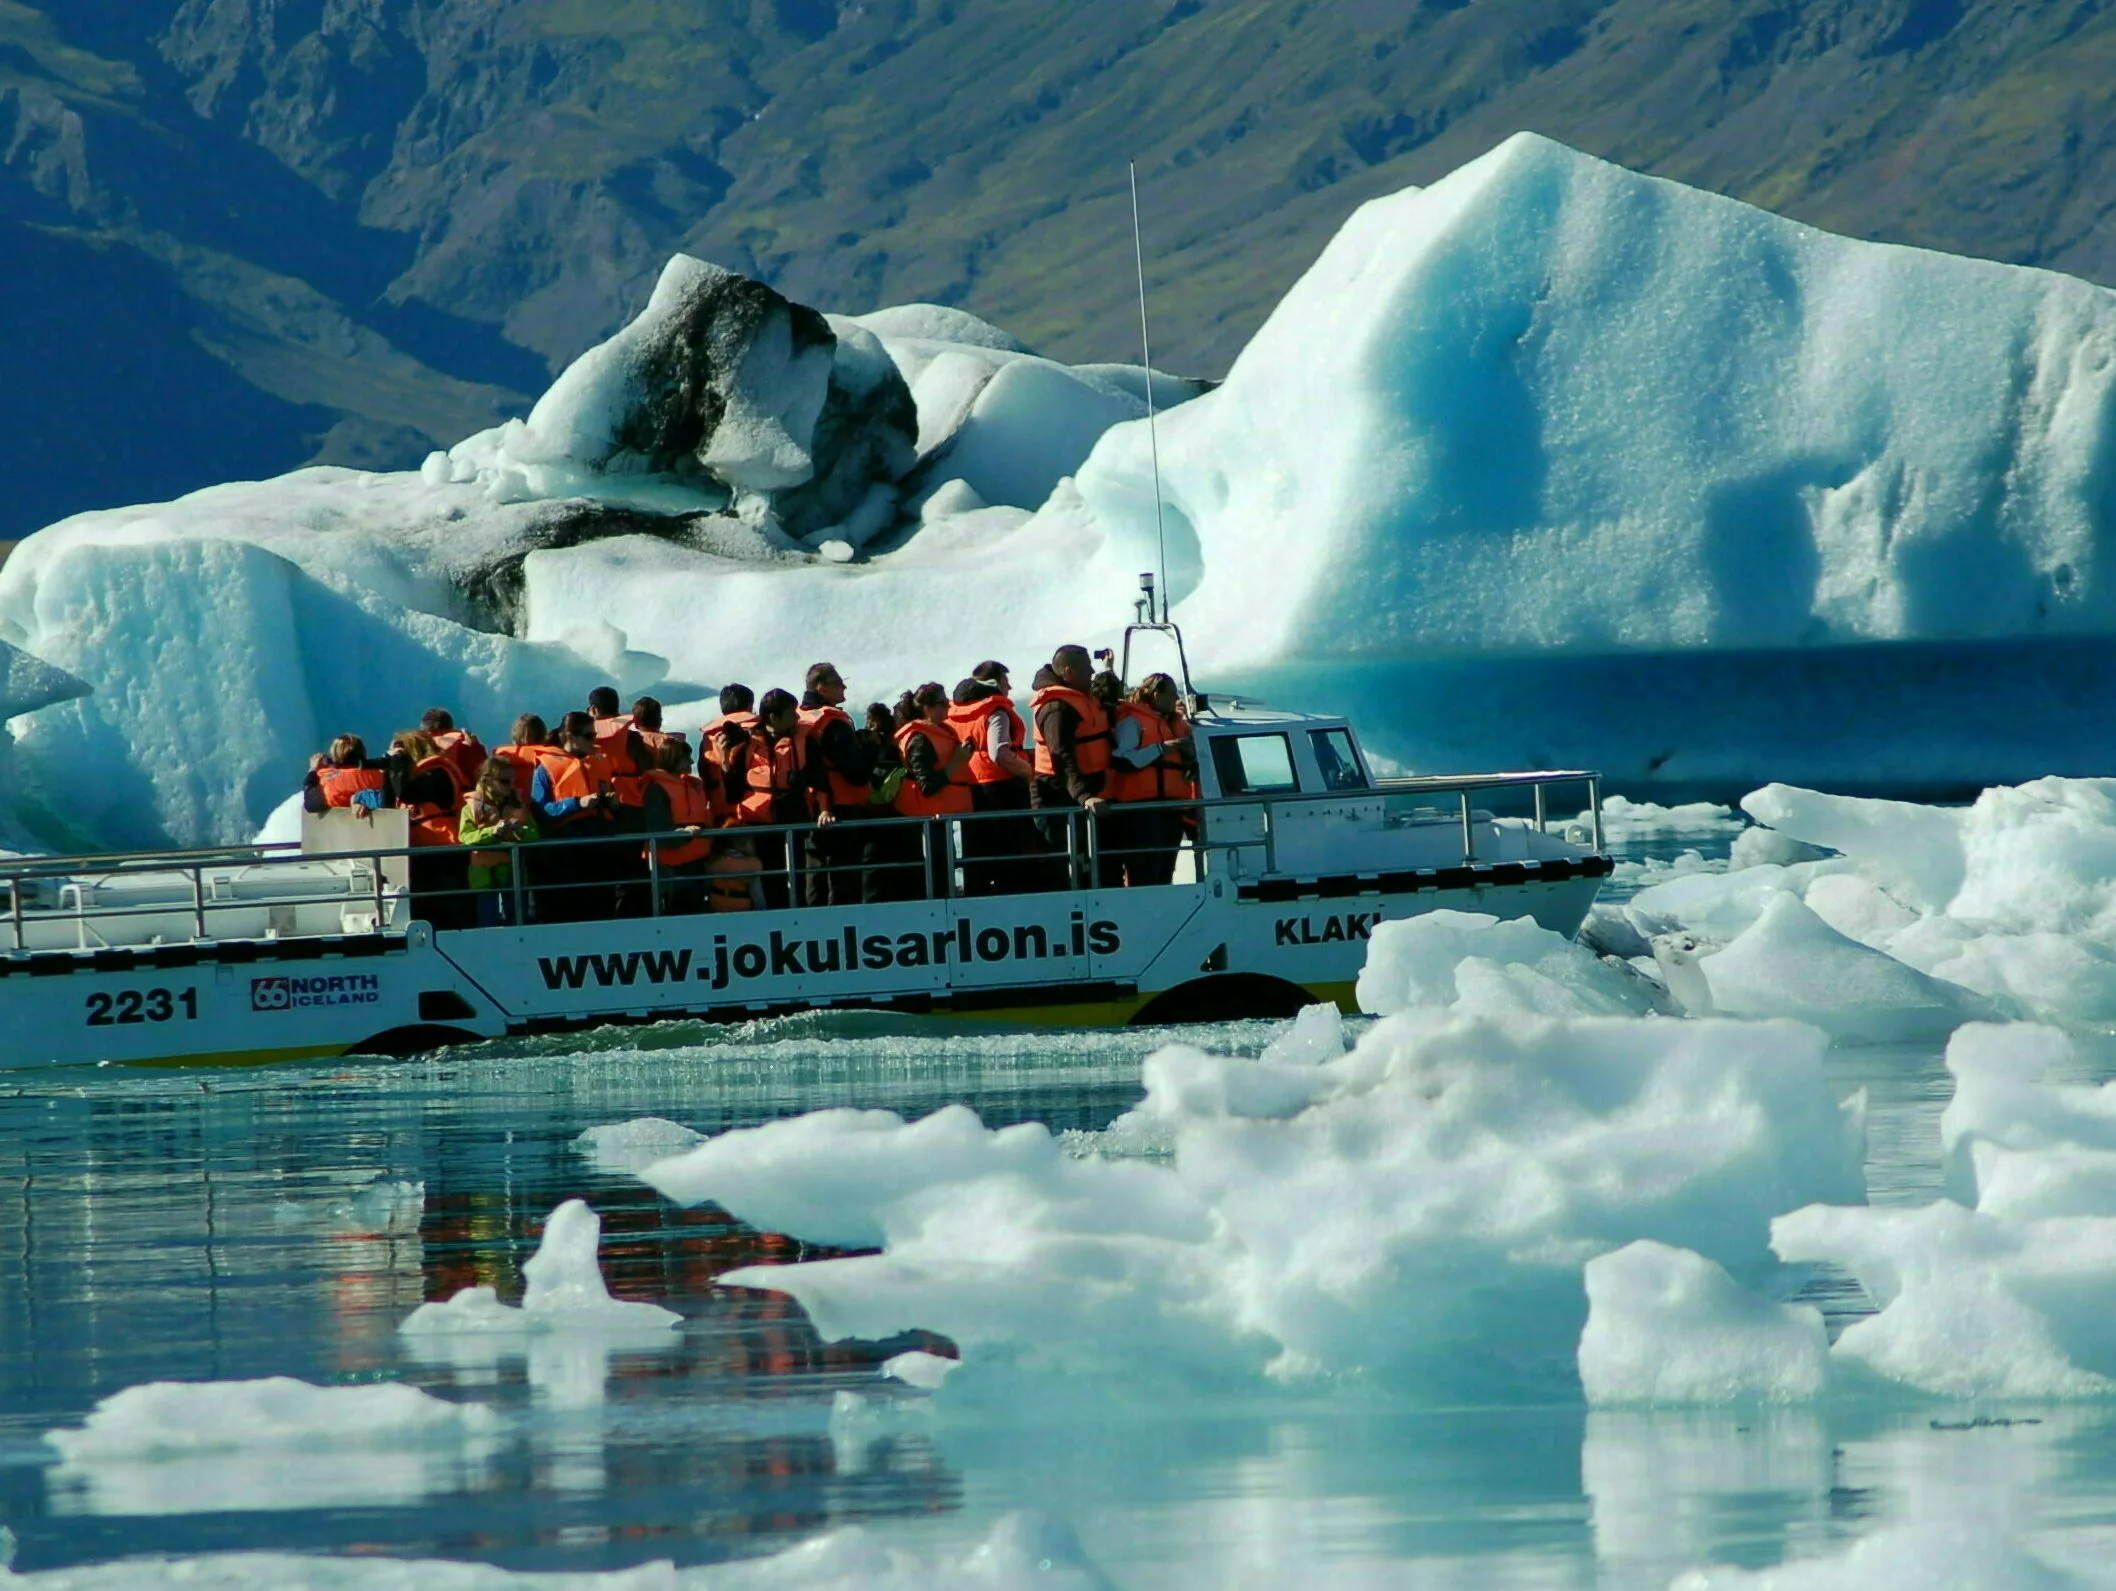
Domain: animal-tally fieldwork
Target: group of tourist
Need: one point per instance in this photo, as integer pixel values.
(707, 827)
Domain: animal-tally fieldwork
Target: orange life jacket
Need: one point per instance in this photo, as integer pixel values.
(613, 738)
(771, 770)
(727, 879)
(464, 753)
(655, 739)
(575, 779)
(1090, 742)
(1163, 779)
(843, 792)
(434, 822)
(971, 722)
(711, 754)
(523, 760)
(340, 785)
(952, 797)
(688, 805)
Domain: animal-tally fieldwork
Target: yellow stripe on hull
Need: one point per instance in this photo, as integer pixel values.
(311, 1052)
(1119, 1013)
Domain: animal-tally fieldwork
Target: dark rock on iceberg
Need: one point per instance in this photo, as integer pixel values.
(722, 384)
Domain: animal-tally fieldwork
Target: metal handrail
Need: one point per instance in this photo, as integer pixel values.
(1084, 857)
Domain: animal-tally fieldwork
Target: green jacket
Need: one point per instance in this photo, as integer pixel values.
(493, 869)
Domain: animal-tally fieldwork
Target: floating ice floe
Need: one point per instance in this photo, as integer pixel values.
(271, 1445)
(2014, 1296)
(1934, 1556)
(565, 1292)
(1626, 819)
(1472, 963)
(1021, 1552)
(171, 1417)
(1923, 918)
(625, 1146)
(1318, 1212)
(1665, 1326)
(2009, 1294)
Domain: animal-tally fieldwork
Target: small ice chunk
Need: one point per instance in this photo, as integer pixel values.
(1473, 962)
(1913, 851)
(624, 1147)
(438, 469)
(835, 551)
(1625, 819)
(283, 827)
(949, 499)
(172, 1417)
(566, 1291)
(1972, 1306)
(565, 1279)
(1790, 962)
(1665, 1325)
(1857, 907)
(920, 1369)
(1767, 847)
(2014, 1144)
(1316, 1035)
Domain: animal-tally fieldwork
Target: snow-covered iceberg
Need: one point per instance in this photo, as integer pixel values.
(1551, 403)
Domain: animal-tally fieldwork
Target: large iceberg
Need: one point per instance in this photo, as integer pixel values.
(1697, 493)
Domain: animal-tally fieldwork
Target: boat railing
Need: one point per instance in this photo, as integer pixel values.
(276, 891)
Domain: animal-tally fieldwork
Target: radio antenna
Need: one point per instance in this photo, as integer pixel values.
(1146, 350)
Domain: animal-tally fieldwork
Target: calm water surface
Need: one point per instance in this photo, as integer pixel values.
(205, 1226)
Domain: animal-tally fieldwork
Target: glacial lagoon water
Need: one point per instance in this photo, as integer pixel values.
(202, 1226)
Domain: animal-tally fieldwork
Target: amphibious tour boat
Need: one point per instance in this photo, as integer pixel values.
(264, 953)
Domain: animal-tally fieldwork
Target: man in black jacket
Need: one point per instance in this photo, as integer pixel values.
(1072, 751)
(840, 862)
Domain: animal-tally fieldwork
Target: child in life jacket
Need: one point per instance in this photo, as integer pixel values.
(733, 876)
(345, 777)
(495, 819)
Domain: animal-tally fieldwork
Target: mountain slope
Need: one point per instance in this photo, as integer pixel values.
(390, 221)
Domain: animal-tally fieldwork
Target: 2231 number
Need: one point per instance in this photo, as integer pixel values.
(129, 1006)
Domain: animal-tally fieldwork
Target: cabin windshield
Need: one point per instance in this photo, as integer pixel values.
(1336, 761)
(1253, 764)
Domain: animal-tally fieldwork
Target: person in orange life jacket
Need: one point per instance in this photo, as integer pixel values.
(770, 782)
(1072, 758)
(346, 778)
(1151, 759)
(677, 806)
(984, 716)
(531, 745)
(463, 749)
(841, 772)
(575, 799)
(720, 740)
(646, 722)
(497, 820)
(732, 876)
(936, 787)
(425, 783)
(619, 740)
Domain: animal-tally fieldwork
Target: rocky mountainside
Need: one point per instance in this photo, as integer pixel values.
(239, 234)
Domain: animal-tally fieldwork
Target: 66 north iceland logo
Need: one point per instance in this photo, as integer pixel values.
(300, 994)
